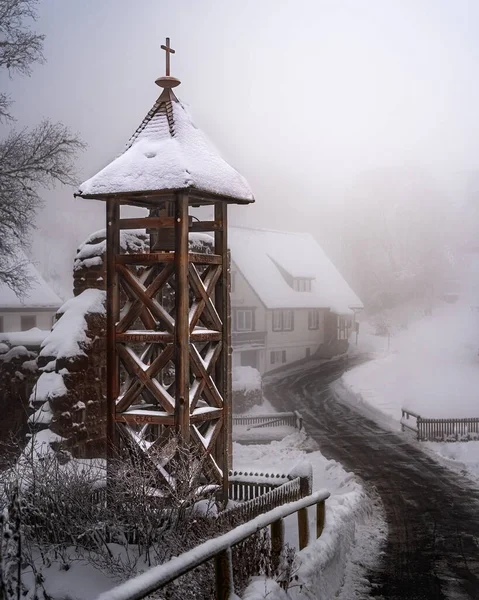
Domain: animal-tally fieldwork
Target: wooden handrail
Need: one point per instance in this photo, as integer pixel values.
(142, 585)
(410, 412)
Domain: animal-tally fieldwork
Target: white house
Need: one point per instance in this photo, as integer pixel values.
(36, 309)
(288, 300)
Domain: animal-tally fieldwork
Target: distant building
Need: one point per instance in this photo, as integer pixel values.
(288, 300)
(37, 308)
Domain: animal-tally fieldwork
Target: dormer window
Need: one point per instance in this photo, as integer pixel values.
(301, 284)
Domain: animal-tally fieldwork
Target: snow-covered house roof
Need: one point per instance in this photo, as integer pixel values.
(268, 259)
(38, 296)
(168, 152)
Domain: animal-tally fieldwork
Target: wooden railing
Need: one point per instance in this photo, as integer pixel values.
(291, 419)
(239, 338)
(219, 549)
(441, 430)
(406, 423)
(291, 491)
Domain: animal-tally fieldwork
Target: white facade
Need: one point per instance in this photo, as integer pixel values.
(282, 312)
(257, 339)
(26, 319)
(35, 309)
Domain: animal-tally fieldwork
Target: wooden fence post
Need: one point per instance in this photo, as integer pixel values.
(320, 517)
(303, 528)
(223, 575)
(277, 542)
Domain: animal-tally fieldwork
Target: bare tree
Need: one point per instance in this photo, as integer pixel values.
(29, 159)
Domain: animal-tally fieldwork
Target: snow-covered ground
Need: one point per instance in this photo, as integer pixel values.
(334, 564)
(354, 529)
(431, 367)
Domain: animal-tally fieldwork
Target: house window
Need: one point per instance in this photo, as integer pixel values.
(344, 327)
(288, 320)
(1, 325)
(283, 320)
(301, 284)
(277, 320)
(244, 320)
(233, 281)
(313, 319)
(28, 322)
(278, 357)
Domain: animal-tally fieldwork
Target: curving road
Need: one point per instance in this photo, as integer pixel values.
(432, 551)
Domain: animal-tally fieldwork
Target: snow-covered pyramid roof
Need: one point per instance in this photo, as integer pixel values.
(39, 295)
(261, 256)
(168, 152)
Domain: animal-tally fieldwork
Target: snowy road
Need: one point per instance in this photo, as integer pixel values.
(433, 514)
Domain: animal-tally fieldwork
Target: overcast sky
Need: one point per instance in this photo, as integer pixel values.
(300, 96)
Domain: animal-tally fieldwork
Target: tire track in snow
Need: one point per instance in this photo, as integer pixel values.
(432, 513)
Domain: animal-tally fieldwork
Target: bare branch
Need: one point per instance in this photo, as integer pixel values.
(29, 160)
(19, 46)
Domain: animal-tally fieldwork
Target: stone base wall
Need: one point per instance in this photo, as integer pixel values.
(18, 374)
(79, 414)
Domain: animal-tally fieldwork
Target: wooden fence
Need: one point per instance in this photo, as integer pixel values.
(289, 491)
(291, 419)
(248, 485)
(219, 549)
(441, 430)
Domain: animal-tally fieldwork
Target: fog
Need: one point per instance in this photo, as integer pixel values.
(314, 102)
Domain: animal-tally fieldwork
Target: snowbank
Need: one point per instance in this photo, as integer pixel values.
(32, 337)
(431, 368)
(323, 566)
(246, 379)
(462, 457)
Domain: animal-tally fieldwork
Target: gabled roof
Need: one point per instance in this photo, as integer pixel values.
(258, 253)
(40, 294)
(168, 152)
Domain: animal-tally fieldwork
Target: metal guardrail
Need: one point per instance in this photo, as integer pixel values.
(219, 549)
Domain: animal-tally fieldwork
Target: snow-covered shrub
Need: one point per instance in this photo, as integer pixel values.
(247, 389)
(10, 548)
(68, 515)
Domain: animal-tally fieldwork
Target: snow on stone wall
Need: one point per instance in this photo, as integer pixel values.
(247, 389)
(69, 395)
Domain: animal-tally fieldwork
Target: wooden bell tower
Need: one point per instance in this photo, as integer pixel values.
(168, 310)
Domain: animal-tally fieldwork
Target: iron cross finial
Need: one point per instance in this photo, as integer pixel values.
(168, 51)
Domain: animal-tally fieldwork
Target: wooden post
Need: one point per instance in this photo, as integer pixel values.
(277, 543)
(223, 575)
(303, 528)
(112, 317)
(320, 517)
(223, 365)
(182, 330)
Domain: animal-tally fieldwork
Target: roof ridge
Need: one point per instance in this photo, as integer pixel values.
(161, 105)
